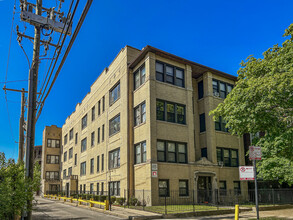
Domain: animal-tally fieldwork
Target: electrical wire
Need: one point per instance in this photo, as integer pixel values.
(55, 54)
(12, 23)
(80, 22)
(21, 80)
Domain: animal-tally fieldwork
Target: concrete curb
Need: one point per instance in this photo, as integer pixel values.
(277, 207)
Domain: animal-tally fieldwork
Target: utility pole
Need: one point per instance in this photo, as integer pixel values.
(21, 128)
(32, 98)
(21, 122)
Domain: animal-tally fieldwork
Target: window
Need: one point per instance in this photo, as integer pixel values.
(83, 145)
(99, 107)
(99, 135)
(139, 114)
(102, 162)
(91, 188)
(237, 188)
(183, 187)
(64, 174)
(103, 132)
(80, 189)
(223, 188)
(220, 125)
(114, 93)
(52, 159)
(202, 122)
(140, 152)
(98, 188)
(229, 157)
(75, 159)
(65, 156)
(93, 113)
(221, 89)
(71, 134)
(53, 143)
(102, 189)
(114, 188)
(98, 163)
(200, 89)
(92, 139)
(103, 103)
(84, 122)
(171, 112)
(69, 171)
(76, 137)
(70, 154)
(84, 188)
(65, 139)
(204, 152)
(169, 74)
(114, 125)
(52, 175)
(173, 152)
(92, 165)
(139, 77)
(114, 158)
(163, 188)
(83, 168)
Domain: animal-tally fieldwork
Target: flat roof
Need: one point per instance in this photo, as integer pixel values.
(197, 69)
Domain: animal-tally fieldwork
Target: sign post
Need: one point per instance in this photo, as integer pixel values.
(255, 154)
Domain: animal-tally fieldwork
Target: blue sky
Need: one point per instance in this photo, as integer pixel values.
(218, 34)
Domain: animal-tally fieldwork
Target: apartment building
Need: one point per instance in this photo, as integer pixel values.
(145, 125)
(38, 155)
(51, 152)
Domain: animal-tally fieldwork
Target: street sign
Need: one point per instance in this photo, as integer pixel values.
(254, 153)
(154, 166)
(246, 173)
(154, 173)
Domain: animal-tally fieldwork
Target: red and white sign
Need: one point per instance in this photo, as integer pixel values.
(246, 173)
(154, 173)
(254, 153)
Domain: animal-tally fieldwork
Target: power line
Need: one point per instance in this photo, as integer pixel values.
(21, 80)
(57, 49)
(14, 7)
(80, 22)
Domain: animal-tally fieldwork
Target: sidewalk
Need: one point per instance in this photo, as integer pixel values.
(123, 213)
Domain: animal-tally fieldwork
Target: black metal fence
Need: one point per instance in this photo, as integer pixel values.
(180, 201)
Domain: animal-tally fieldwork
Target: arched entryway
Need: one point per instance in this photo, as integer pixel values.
(205, 185)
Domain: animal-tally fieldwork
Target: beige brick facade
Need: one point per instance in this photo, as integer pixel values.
(51, 158)
(131, 168)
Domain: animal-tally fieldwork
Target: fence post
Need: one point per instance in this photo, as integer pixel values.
(165, 202)
(193, 200)
(273, 196)
(143, 199)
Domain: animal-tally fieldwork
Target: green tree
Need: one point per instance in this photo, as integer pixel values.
(15, 189)
(262, 100)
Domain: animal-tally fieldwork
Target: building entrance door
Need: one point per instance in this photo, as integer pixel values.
(53, 188)
(204, 189)
(67, 189)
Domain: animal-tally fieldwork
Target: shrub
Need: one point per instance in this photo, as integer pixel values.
(132, 201)
(121, 200)
(113, 199)
(97, 198)
(103, 198)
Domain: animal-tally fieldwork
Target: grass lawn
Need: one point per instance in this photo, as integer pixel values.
(178, 208)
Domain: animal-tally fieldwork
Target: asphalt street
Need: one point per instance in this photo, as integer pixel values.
(48, 209)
